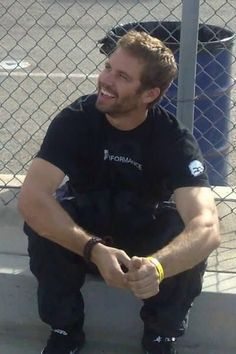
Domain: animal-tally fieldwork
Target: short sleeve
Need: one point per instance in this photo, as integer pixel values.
(185, 163)
(62, 143)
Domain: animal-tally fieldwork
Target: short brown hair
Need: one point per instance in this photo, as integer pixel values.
(160, 67)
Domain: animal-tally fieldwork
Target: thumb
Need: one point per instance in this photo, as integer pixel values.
(124, 260)
(136, 263)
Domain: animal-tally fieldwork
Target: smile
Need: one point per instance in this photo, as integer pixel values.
(107, 94)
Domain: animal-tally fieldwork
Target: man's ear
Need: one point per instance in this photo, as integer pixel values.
(151, 95)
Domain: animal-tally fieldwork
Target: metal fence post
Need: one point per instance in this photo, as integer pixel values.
(187, 62)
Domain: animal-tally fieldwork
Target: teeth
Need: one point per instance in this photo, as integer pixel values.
(104, 92)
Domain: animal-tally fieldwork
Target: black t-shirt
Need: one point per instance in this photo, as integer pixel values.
(151, 160)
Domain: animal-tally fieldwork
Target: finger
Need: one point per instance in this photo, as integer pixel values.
(140, 284)
(135, 268)
(116, 277)
(146, 292)
(123, 259)
(136, 263)
(118, 274)
(145, 271)
(147, 295)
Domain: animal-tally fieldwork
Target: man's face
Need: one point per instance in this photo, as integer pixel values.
(119, 85)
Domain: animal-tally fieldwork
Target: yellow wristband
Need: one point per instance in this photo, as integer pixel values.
(158, 266)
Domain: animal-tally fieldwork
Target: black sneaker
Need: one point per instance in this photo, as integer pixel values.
(158, 345)
(62, 342)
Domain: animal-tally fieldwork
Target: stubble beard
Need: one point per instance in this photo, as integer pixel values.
(118, 109)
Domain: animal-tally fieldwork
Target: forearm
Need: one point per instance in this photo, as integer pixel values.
(199, 238)
(45, 215)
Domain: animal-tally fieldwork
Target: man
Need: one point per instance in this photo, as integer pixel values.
(124, 157)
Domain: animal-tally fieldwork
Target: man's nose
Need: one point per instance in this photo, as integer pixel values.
(108, 79)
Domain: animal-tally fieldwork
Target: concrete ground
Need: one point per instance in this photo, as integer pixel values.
(115, 328)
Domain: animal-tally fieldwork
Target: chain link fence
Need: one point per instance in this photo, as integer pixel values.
(50, 55)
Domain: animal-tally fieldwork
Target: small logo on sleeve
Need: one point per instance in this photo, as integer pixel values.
(196, 168)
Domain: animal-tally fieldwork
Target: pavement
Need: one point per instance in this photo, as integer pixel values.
(115, 327)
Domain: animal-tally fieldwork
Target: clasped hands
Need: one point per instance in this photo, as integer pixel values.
(140, 276)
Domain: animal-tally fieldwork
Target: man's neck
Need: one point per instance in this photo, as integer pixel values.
(127, 122)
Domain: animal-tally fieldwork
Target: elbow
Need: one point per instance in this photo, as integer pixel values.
(214, 239)
(23, 205)
(27, 206)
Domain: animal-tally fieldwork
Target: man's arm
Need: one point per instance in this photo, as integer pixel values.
(45, 215)
(199, 238)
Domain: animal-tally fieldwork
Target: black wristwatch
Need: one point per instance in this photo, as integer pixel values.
(89, 246)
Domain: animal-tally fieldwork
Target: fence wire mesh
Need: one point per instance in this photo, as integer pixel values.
(50, 55)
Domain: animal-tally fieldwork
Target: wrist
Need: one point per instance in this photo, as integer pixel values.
(97, 253)
(158, 266)
(89, 247)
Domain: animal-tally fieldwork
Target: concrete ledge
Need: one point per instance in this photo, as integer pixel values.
(112, 315)
(11, 181)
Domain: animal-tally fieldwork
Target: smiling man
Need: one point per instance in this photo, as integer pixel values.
(127, 160)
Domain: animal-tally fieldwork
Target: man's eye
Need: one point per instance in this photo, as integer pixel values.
(125, 77)
(107, 67)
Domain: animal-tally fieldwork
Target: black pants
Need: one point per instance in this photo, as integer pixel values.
(61, 273)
